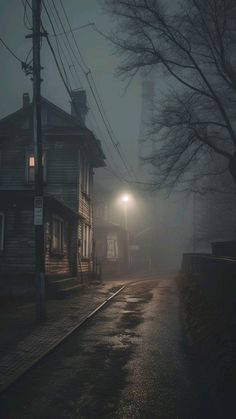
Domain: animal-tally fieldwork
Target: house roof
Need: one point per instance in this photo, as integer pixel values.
(107, 225)
(67, 125)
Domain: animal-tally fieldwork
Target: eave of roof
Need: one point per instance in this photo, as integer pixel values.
(99, 156)
(26, 197)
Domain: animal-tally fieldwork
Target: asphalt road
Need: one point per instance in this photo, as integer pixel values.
(132, 360)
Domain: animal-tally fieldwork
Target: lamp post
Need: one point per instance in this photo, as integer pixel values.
(125, 200)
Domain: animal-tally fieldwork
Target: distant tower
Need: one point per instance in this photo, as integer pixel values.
(145, 141)
(146, 146)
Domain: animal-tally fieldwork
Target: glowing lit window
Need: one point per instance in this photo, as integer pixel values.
(31, 161)
(30, 169)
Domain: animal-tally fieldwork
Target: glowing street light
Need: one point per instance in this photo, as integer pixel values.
(125, 199)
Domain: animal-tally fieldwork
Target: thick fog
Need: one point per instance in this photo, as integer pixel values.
(174, 223)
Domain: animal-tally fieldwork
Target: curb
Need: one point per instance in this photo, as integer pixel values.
(13, 378)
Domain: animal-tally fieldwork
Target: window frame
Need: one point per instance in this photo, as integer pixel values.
(86, 241)
(112, 246)
(60, 248)
(30, 155)
(85, 176)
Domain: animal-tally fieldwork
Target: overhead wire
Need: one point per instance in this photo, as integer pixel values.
(73, 36)
(26, 67)
(75, 56)
(87, 72)
(69, 64)
(117, 143)
(107, 148)
(68, 87)
(57, 63)
(11, 51)
(75, 29)
(64, 77)
(27, 22)
(58, 46)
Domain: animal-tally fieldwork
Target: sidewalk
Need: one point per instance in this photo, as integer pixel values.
(24, 342)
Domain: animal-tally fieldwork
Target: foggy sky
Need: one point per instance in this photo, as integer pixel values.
(123, 110)
(173, 218)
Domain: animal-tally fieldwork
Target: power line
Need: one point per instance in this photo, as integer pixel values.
(26, 19)
(75, 29)
(57, 44)
(78, 77)
(73, 36)
(26, 67)
(10, 50)
(108, 127)
(57, 63)
(70, 51)
(70, 65)
(65, 80)
(97, 98)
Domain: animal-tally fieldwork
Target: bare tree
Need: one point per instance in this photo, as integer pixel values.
(194, 45)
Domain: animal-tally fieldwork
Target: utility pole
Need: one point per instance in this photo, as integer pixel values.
(38, 156)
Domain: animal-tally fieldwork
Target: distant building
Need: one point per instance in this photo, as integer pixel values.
(70, 152)
(111, 244)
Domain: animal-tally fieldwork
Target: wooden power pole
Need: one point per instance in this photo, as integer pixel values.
(38, 156)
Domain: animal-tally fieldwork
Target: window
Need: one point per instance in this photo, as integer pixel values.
(2, 225)
(30, 168)
(86, 240)
(101, 211)
(85, 177)
(57, 234)
(112, 246)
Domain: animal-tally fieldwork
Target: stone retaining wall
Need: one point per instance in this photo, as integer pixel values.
(208, 296)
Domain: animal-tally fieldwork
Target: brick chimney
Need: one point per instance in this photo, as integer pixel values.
(26, 100)
(79, 107)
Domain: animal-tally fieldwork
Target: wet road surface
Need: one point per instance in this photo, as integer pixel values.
(133, 360)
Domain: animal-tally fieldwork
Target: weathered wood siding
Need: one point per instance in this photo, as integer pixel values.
(63, 181)
(84, 207)
(62, 171)
(18, 255)
(13, 163)
(59, 263)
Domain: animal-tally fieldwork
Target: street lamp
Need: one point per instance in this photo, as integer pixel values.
(125, 200)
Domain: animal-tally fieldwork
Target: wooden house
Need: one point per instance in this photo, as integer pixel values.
(111, 238)
(70, 153)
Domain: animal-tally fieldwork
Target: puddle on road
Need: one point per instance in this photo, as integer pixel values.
(128, 311)
(133, 300)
